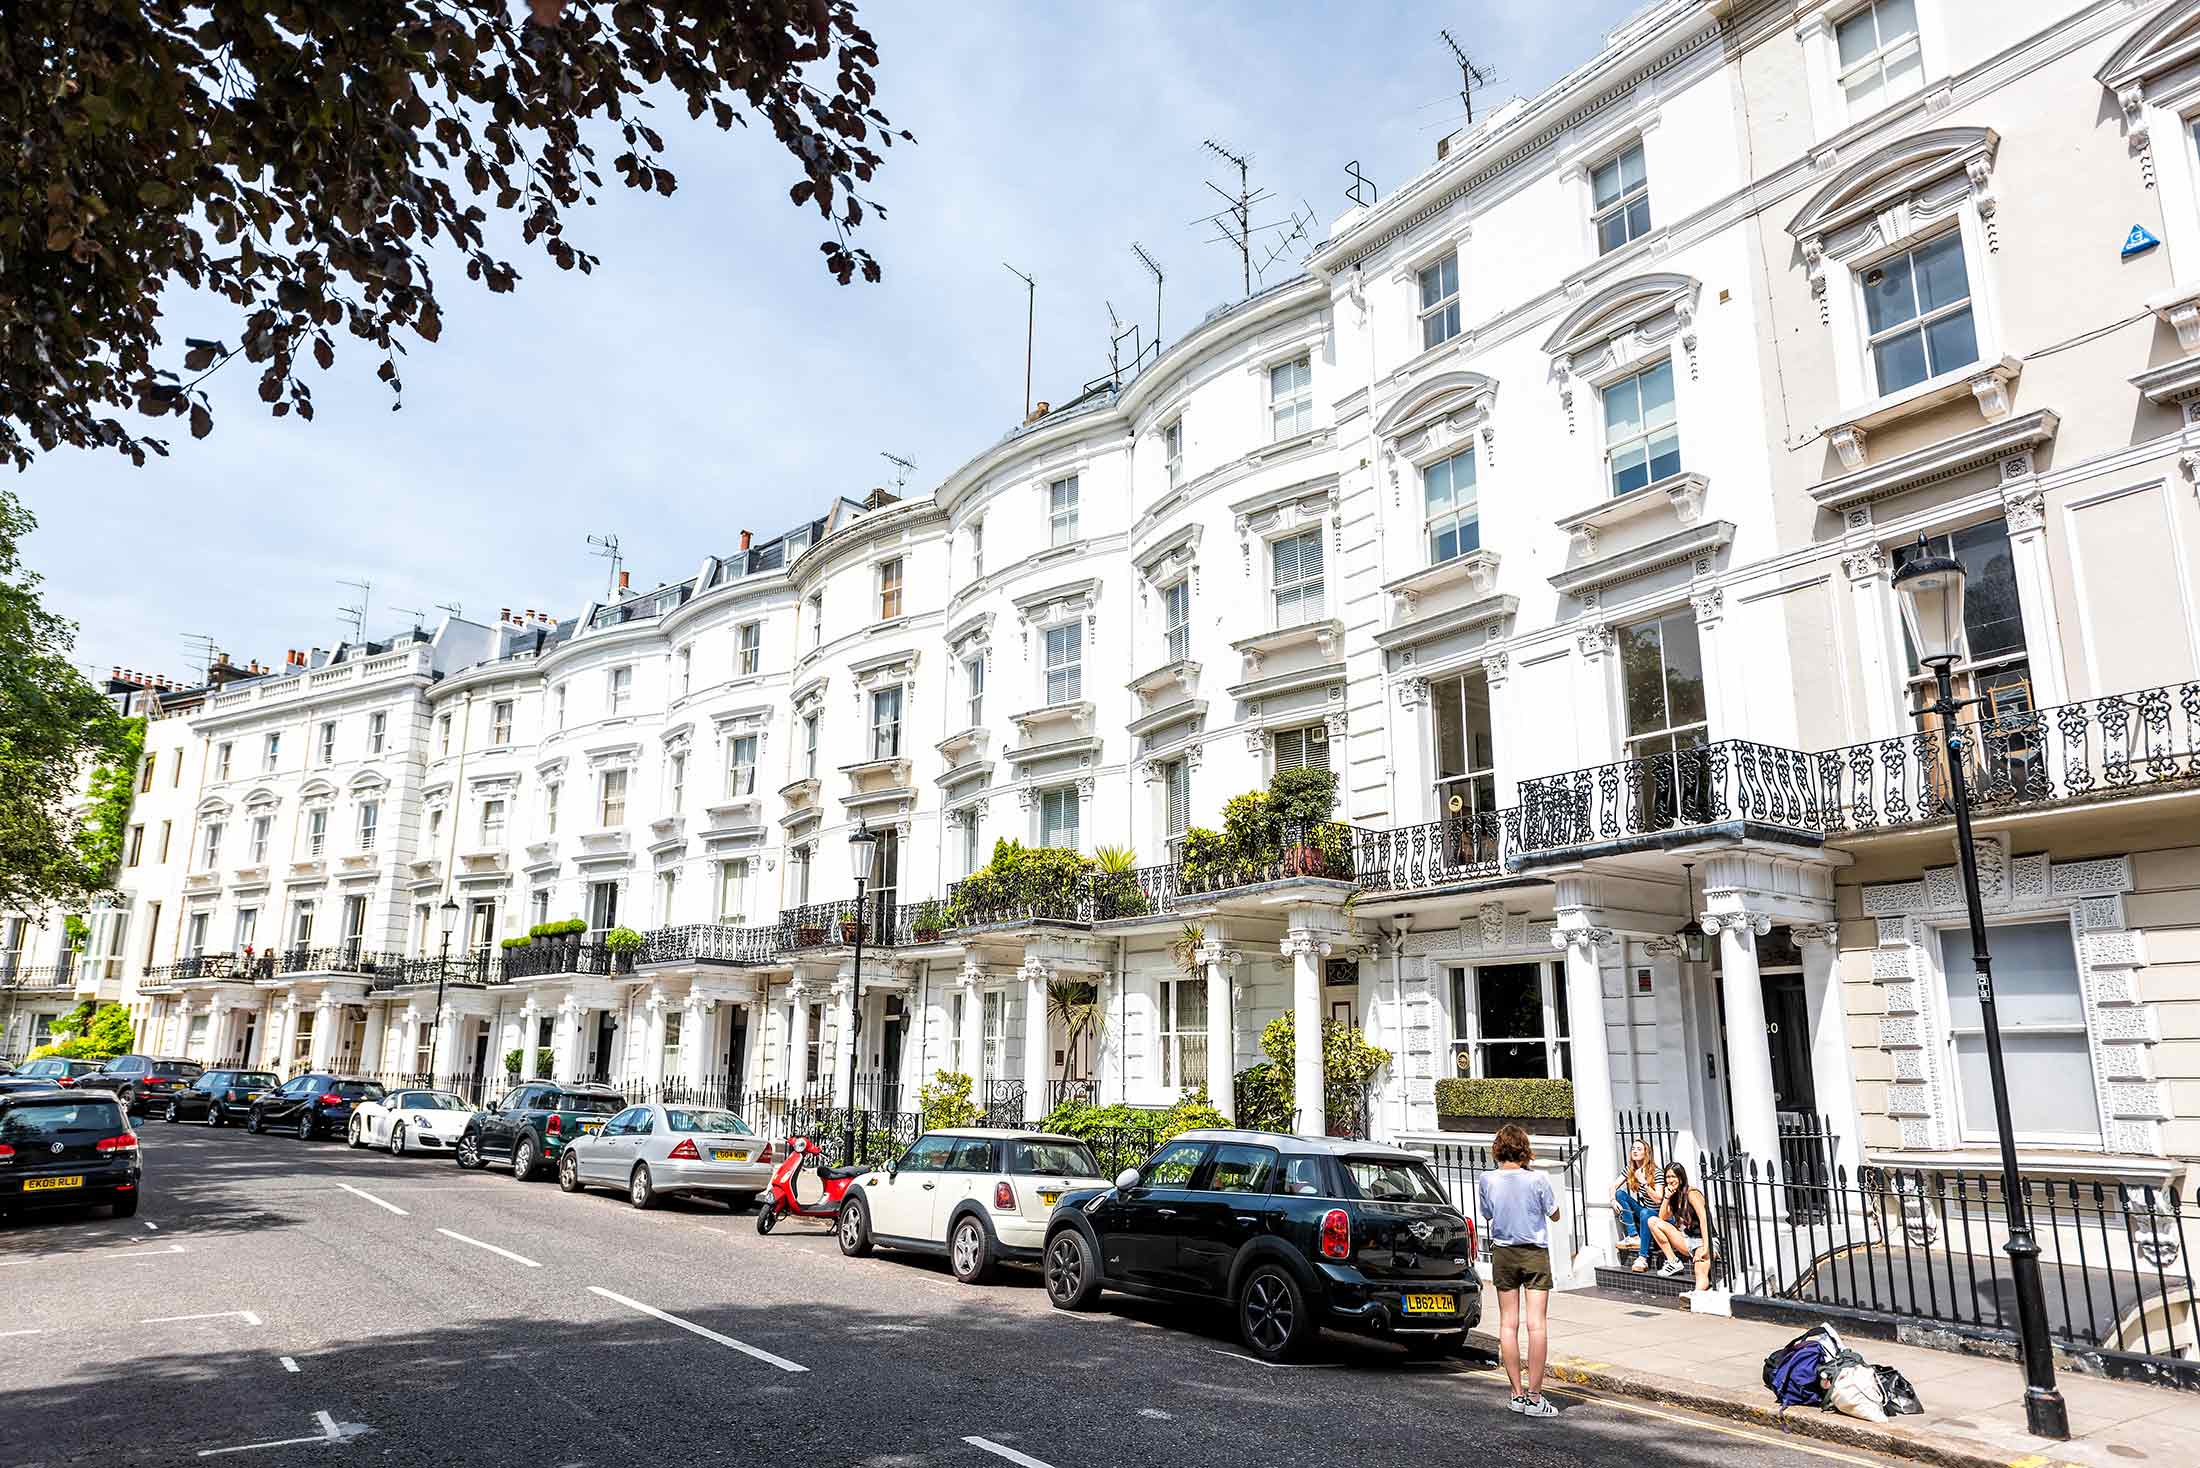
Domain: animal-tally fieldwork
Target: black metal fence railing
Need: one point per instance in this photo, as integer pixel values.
(546, 958)
(1065, 1092)
(1729, 780)
(1459, 1167)
(1139, 892)
(1654, 1128)
(1003, 1103)
(40, 976)
(709, 943)
(1906, 1243)
(1462, 848)
(1071, 901)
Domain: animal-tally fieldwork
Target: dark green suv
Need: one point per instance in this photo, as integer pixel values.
(532, 1124)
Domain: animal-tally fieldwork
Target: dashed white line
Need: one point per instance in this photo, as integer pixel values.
(152, 1225)
(704, 1331)
(4, 1334)
(377, 1202)
(1274, 1365)
(507, 1253)
(152, 1253)
(245, 1315)
(1156, 1414)
(288, 1364)
(331, 1431)
(998, 1451)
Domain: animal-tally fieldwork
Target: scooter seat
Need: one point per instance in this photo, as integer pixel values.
(835, 1174)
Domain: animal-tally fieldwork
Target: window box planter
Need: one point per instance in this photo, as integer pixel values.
(849, 928)
(1541, 1108)
(810, 936)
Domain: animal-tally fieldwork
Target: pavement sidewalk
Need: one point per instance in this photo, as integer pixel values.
(1974, 1408)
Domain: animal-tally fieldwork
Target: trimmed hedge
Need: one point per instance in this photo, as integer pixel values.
(1534, 1097)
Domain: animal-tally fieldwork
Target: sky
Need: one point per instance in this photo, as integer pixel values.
(711, 377)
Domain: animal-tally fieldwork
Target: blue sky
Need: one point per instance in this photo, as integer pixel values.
(710, 376)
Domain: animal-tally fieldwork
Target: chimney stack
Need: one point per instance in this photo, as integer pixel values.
(622, 580)
(744, 540)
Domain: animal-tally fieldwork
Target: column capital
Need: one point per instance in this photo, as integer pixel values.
(1806, 934)
(973, 976)
(1036, 971)
(1305, 945)
(1587, 939)
(1740, 922)
(1210, 954)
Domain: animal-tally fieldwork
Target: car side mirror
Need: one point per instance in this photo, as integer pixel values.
(893, 1170)
(1126, 1179)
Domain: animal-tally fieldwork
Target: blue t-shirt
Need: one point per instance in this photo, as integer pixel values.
(1518, 1203)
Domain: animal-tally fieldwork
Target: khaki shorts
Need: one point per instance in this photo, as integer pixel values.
(1519, 1266)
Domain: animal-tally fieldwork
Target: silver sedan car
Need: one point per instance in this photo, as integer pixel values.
(659, 1150)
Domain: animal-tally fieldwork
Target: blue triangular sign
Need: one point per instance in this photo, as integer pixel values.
(2138, 242)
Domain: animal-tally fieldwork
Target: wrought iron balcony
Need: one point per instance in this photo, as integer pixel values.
(551, 958)
(1071, 901)
(708, 943)
(1434, 854)
(60, 975)
(1731, 780)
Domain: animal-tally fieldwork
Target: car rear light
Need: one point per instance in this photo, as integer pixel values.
(1336, 1235)
(766, 1154)
(127, 1142)
(685, 1152)
(229, 1095)
(1004, 1196)
(1470, 1238)
(330, 1098)
(7, 1153)
(63, 1081)
(555, 1126)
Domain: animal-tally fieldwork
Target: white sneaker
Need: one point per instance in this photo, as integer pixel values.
(1538, 1406)
(1672, 1269)
(1518, 1404)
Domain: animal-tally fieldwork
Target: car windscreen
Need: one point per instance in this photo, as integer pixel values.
(1058, 1159)
(247, 1079)
(357, 1090)
(702, 1119)
(586, 1104)
(41, 1121)
(433, 1101)
(186, 1068)
(1393, 1180)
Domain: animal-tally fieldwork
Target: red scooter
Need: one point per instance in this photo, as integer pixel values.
(780, 1200)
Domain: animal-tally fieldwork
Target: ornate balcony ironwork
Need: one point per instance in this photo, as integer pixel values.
(60, 975)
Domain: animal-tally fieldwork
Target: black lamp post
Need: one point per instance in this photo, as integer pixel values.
(1931, 594)
(861, 844)
(448, 912)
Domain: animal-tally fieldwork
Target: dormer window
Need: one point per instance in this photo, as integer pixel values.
(1620, 194)
(1439, 286)
(1881, 60)
(1917, 307)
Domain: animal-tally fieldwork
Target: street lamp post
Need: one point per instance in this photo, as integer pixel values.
(861, 844)
(1931, 594)
(448, 912)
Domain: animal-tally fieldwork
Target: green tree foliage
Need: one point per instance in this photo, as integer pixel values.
(305, 163)
(1268, 1092)
(1284, 830)
(52, 724)
(945, 1101)
(1076, 1007)
(87, 1034)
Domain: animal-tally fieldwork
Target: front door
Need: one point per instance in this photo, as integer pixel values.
(889, 1053)
(600, 1061)
(1787, 1031)
(737, 1053)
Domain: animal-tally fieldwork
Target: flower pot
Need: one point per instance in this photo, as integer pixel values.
(926, 935)
(1534, 1126)
(1305, 861)
(848, 931)
(809, 937)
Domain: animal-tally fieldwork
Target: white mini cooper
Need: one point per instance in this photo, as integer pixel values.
(978, 1195)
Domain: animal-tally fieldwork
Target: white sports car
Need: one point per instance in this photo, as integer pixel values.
(410, 1121)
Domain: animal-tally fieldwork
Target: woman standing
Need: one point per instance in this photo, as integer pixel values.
(1680, 1229)
(1636, 1196)
(1518, 1207)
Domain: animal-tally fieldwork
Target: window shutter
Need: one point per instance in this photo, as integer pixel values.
(1177, 784)
(1306, 748)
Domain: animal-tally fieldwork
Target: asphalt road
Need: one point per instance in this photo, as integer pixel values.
(276, 1302)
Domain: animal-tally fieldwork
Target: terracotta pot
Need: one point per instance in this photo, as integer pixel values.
(926, 935)
(809, 937)
(848, 931)
(1304, 861)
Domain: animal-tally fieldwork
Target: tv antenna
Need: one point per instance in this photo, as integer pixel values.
(1301, 225)
(449, 606)
(607, 546)
(1470, 75)
(357, 615)
(1235, 222)
(902, 467)
(204, 649)
(1362, 185)
(1153, 268)
(1118, 333)
(1031, 317)
(415, 613)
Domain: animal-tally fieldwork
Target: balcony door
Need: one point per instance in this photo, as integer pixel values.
(1662, 693)
(603, 908)
(1466, 767)
(1995, 667)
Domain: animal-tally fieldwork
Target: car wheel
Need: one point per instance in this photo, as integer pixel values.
(169, 1115)
(468, 1153)
(569, 1174)
(1072, 1282)
(523, 1159)
(254, 1124)
(768, 1219)
(353, 1136)
(214, 1114)
(855, 1229)
(308, 1127)
(970, 1251)
(641, 1191)
(1273, 1317)
(126, 1205)
(397, 1140)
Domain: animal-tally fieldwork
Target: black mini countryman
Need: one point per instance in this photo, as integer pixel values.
(1293, 1233)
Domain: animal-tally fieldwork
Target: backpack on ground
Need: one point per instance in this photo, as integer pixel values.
(1795, 1374)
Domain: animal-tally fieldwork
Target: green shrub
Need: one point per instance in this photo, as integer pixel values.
(546, 1059)
(1264, 1097)
(1206, 854)
(1085, 1121)
(929, 917)
(566, 928)
(520, 942)
(1019, 879)
(1349, 1063)
(623, 941)
(1251, 834)
(1303, 797)
(944, 1101)
(1534, 1097)
(512, 1058)
(90, 1035)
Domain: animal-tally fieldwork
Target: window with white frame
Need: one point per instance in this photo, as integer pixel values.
(317, 833)
(1062, 511)
(799, 876)
(620, 691)
(1880, 59)
(955, 1033)
(817, 619)
(557, 700)
(676, 779)
(194, 934)
(271, 751)
(1619, 192)
(2041, 1006)
(733, 890)
(1305, 748)
(1295, 578)
(443, 735)
(550, 807)
(369, 824)
(1183, 1031)
(1176, 620)
(972, 856)
(222, 752)
(1439, 287)
(1451, 508)
(611, 799)
(492, 822)
(1642, 442)
(889, 589)
(145, 775)
(1172, 449)
(974, 689)
(1994, 664)
(378, 726)
(327, 753)
(809, 746)
(1661, 672)
(1176, 800)
(977, 549)
(1291, 398)
(538, 906)
(248, 929)
(687, 670)
(500, 721)
(1917, 312)
(167, 830)
(672, 1063)
(995, 1028)
(816, 1046)
(1466, 752)
(1058, 818)
(1508, 1021)
(668, 892)
(886, 723)
(748, 644)
(257, 844)
(137, 845)
(301, 925)
(1065, 662)
(740, 766)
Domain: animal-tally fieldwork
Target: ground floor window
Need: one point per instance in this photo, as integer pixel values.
(815, 1046)
(2043, 1034)
(1183, 1032)
(996, 1032)
(1509, 1020)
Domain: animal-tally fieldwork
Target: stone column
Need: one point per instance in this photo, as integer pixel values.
(2024, 510)
(565, 1040)
(1306, 949)
(370, 1048)
(1748, 1054)
(798, 1037)
(1217, 960)
(697, 1040)
(653, 1035)
(327, 1018)
(1594, 1116)
(973, 1029)
(448, 1022)
(1832, 1068)
(843, 1037)
(1879, 653)
(284, 1033)
(1036, 976)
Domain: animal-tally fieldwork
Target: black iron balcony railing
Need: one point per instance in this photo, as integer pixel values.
(1434, 854)
(60, 975)
(883, 923)
(1730, 780)
(1070, 901)
(708, 943)
(345, 958)
(547, 958)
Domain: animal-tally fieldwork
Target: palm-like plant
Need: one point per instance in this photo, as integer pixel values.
(1076, 1008)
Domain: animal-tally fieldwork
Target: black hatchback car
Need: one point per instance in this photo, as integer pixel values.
(1292, 1233)
(59, 1148)
(316, 1104)
(220, 1097)
(138, 1081)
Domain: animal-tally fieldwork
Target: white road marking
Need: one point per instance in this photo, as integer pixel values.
(152, 1225)
(4, 1334)
(150, 1253)
(377, 1202)
(1785, 1440)
(704, 1331)
(331, 1431)
(706, 1228)
(1156, 1414)
(288, 1364)
(1274, 1365)
(245, 1315)
(1025, 1459)
(507, 1253)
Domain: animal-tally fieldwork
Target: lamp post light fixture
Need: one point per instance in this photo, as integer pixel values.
(1930, 589)
(1695, 942)
(448, 913)
(862, 844)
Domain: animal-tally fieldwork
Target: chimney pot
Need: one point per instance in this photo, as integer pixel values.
(622, 580)
(744, 540)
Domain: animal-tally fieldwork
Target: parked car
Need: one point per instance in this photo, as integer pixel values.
(67, 1147)
(27, 1084)
(660, 1151)
(532, 1124)
(1293, 1233)
(137, 1079)
(60, 1070)
(220, 1097)
(978, 1195)
(316, 1104)
(411, 1120)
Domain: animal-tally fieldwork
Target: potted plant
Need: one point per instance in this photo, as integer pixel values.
(512, 1060)
(849, 927)
(1541, 1107)
(924, 923)
(623, 944)
(809, 935)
